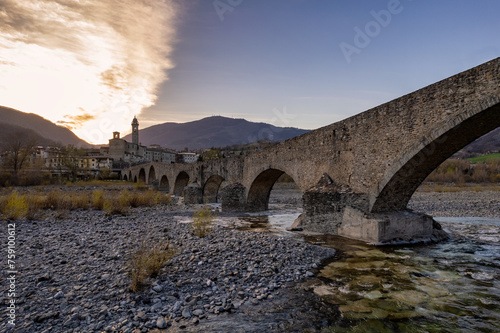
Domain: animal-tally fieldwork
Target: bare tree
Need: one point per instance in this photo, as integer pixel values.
(16, 150)
(71, 159)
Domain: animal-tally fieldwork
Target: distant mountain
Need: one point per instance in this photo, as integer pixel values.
(489, 143)
(8, 131)
(213, 132)
(41, 126)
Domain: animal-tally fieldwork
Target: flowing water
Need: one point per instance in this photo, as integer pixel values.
(452, 286)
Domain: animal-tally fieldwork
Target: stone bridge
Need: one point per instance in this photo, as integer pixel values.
(356, 175)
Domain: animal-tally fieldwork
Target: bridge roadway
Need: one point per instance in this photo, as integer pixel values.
(356, 175)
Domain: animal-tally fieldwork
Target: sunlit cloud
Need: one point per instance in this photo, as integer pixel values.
(76, 121)
(90, 65)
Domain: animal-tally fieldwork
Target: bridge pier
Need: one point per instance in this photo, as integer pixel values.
(193, 194)
(337, 210)
(390, 227)
(233, 198)
(323, 205)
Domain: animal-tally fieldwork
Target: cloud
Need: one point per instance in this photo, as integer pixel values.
(76, 121)
(107, 57)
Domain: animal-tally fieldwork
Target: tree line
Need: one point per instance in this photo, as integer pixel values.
(19, 164)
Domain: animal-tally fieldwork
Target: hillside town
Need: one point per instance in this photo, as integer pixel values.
(102, 162)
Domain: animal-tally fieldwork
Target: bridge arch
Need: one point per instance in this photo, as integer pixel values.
(181, 181)
(125, 178)
(260, 190)
(400, 182)
(211, 188)
(135, 179)
(151, 175)
(142, 175)
(130, 176)
(164, 185)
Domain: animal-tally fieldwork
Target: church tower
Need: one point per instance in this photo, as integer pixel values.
(135, 131)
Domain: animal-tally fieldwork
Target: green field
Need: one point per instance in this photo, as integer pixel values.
(485, 158)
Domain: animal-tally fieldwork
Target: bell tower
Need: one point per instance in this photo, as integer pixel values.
(135, 131)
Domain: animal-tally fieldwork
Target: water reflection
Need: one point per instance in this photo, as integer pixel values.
(275, 223)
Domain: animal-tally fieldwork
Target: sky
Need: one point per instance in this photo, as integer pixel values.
(91, 65)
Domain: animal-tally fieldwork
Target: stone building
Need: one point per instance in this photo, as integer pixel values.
(156, 153)
(122, 150)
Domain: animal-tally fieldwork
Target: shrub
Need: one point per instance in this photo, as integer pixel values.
(5, 178)
(113, 207)
(76, 200)
(162, 199)
(148, 198)
(202, 221)
(54, 199)
(147, 261)
(3, 203)
(61, 214)
(463, 171)
(140, 186)
(98, 199)
(16, 207)
(143, 199)
(107, 206)
(36, 203)
(124, 199)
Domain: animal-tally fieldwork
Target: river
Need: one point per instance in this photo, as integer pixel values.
(452, 286)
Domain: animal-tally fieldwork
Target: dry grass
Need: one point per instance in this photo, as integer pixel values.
(114, 207)
(15, 207)
(98, 199)
(140, 186)
(53, 199)
(111, 201)
(57, 200)
(433, 187)
(79, 200)
(162, 198)
(97, 182)
(127, 199)
(202, 221)
(36, 205)
(147, 261)
(461, 172)
(3, 203)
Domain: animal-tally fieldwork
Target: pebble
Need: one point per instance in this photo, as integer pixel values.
(186, 313)
(457, 204)
(156, 307)
(177, 306)
(207, 276)
(161, 323)
(59, 294)
(197, 312)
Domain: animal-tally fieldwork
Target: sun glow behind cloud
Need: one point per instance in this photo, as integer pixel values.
(89, 65)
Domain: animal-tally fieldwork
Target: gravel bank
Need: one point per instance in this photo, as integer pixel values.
(73, 275)
(457, 204)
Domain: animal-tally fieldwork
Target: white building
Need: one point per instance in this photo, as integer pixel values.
(188, 157)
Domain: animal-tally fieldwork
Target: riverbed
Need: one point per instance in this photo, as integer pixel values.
(252, 275)
(451, 286)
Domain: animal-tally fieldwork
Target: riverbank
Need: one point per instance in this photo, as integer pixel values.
(73, 276)
(458, 202)
(73, 270)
